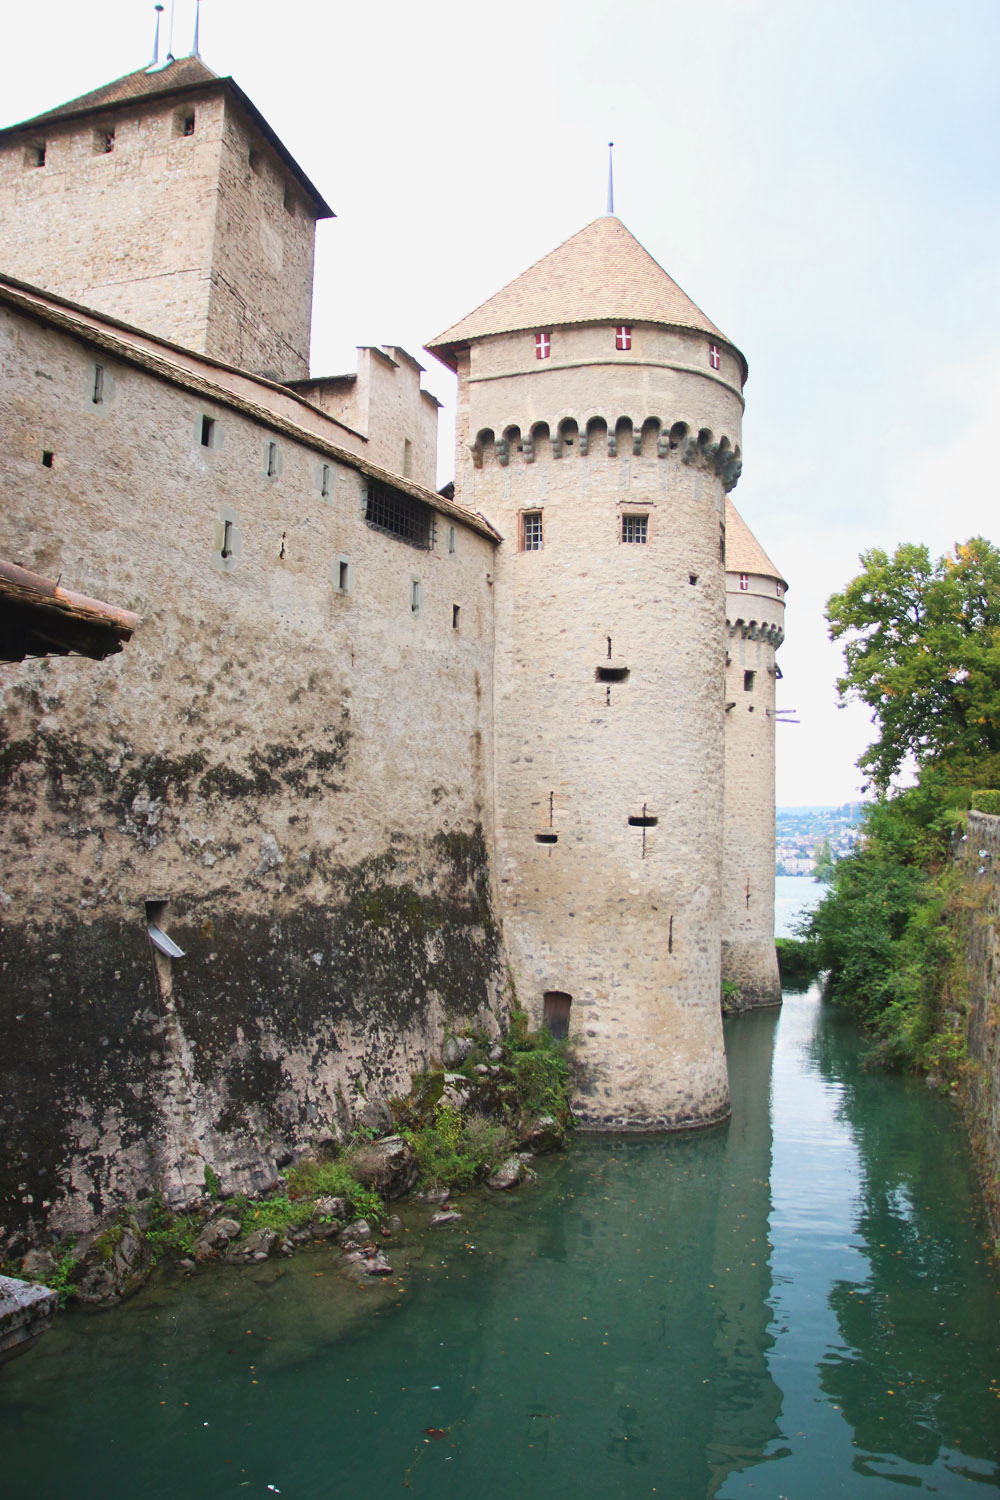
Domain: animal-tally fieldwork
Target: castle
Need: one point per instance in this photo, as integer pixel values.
(378, 761)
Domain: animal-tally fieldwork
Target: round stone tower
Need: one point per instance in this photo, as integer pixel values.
(599, 430)
(755, 614)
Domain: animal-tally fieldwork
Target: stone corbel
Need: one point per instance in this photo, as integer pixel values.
(612, 444)
(503, 452)
(528, 445)
(637, 441)
(556, 440)
(584, 442)
(663, 444)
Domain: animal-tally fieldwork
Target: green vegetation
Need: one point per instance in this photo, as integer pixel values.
(455, 1148)
(823, 862)
(798, 963)
(922, 650)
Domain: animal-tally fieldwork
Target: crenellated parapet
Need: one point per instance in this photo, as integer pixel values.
(757, 630)
(596, 436)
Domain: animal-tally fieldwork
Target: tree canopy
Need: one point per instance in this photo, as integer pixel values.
(922, 649)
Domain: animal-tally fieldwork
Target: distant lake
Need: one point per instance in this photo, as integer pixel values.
(794, 896)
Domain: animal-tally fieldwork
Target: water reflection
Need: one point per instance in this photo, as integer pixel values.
(623, 1328)
(920, 1336)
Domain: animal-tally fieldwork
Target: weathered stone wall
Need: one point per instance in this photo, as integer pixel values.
(170, 232)
(260, 308)
(385, 403)
(982, 861)
(609, 677)
(755, 617)
(294, 751)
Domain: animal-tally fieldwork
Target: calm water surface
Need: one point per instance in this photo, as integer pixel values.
(796, 1305)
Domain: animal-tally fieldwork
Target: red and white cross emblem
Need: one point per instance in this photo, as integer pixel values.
(623, 337)
(543, 345)
(744, 583)
(713, 356)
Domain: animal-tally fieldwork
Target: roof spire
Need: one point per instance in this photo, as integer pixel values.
(197, 20)
(156, 38)
(611, 178)
(170, 35)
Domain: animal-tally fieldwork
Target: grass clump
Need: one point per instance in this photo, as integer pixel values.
(456, 1150)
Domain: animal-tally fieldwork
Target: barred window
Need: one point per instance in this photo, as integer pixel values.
(635, 528)
(399, 515)
(531, 531)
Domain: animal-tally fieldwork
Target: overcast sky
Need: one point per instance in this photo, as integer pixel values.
(822, 181)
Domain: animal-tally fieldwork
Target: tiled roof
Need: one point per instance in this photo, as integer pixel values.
(601, 275)
(744, 554)
(185, 75)
(180, 74)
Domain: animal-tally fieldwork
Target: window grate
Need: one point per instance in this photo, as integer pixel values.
(400, 515)
(635, 528)
(531, 523)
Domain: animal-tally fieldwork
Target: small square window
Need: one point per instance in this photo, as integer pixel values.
(635, 529)
(748, 681)
(104, 142)
(531, 531)
(623, 336)
(47, 458)
(208, 432)
(289, 202)
(543, 345)
(187, 127)
(744, 583)
(34, 154)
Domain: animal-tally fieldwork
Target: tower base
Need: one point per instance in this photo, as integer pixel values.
(753, 968)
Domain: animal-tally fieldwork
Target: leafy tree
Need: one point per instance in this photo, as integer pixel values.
(922, 650)
(822, 862)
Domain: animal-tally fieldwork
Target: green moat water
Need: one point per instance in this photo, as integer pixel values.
(797, 1305)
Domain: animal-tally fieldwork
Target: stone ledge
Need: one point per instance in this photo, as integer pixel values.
(25, 1312)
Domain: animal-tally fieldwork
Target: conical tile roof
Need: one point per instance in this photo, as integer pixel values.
(744, 554)
(600, 275)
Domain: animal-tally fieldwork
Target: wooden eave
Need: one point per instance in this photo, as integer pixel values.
(38, 618)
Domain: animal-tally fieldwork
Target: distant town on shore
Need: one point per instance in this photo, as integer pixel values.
(804, 832)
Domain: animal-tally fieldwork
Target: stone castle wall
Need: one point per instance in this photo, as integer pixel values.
(170, 232)
(755, 618)
(384, 402)
(609, 670)
(294, 752)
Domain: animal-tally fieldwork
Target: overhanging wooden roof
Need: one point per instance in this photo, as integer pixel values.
(38, 618)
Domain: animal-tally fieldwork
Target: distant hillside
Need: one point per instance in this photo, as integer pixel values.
(803, 830)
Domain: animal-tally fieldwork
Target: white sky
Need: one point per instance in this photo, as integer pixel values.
(821, 180)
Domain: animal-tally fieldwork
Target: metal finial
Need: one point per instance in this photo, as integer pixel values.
(156, 38)
(197, 19)
(611, 178)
